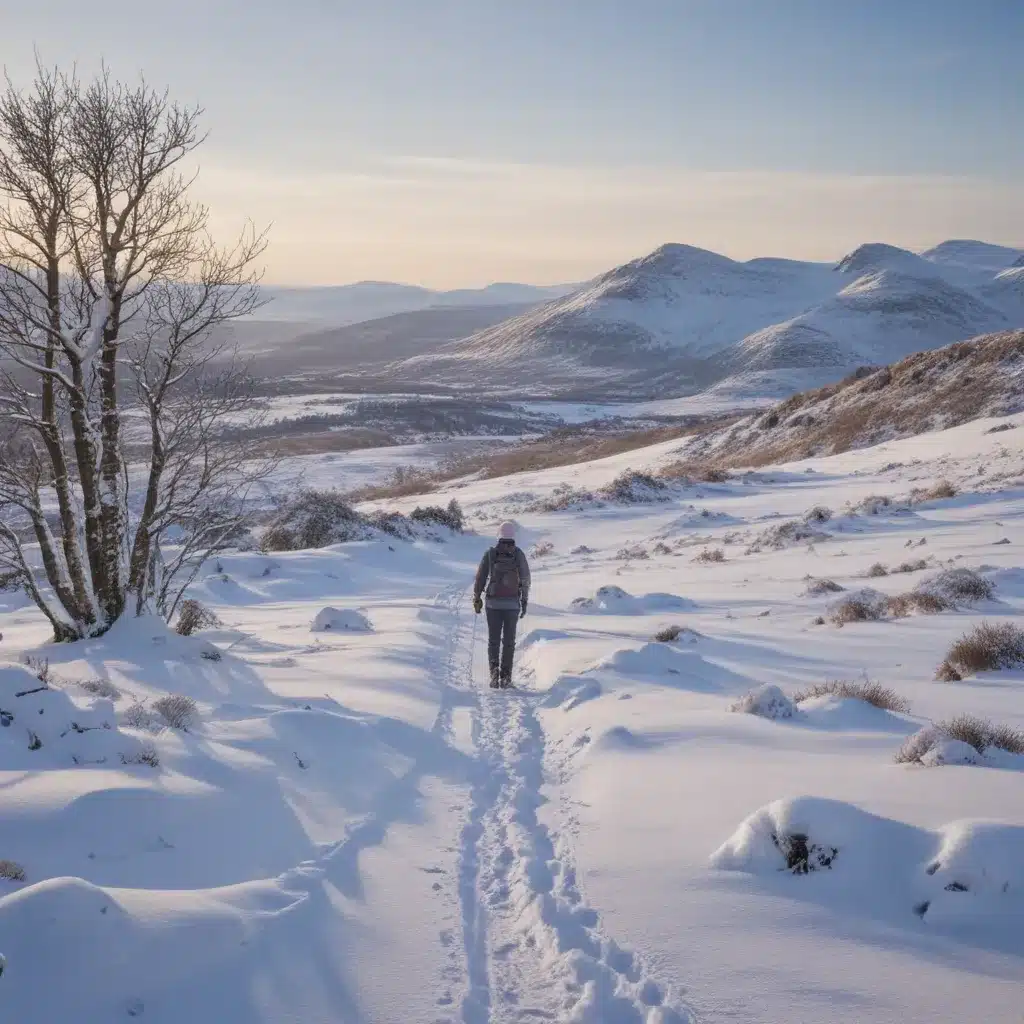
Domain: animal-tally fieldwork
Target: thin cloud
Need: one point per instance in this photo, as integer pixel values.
(450, 221)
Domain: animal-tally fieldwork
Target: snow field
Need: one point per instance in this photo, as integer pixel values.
(353, 829)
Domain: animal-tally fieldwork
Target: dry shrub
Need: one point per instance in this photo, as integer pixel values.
(914, 566)
(637, 551)
(713, 475)
(147, 756)
(976, 732)
(40, 668)
(862, 606)
(12, 871)
(177, 710)
(878, 569)
(634, 487)
(138, 716)
(312, 519)
(710, 555)
(867, 690)
(818, 587)
(561, 499)
(818, 514)
(959, 585)
(942, 489)
(194, 616)
(669, 634)
(875, 504)
(988, 647)
(100, 688)
(451, 516)
(945, 673)
(785, 535)
(902, 605)
(661, 548)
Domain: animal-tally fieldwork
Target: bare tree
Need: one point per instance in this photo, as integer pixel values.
(110, 291)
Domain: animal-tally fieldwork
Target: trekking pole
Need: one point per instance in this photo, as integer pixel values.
(472, 645)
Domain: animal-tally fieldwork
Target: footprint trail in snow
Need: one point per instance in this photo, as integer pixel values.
(534, 950)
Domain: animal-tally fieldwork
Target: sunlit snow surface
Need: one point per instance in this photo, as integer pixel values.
(355, 829)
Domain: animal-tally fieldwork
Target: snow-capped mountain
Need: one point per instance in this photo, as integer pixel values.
(684, 318)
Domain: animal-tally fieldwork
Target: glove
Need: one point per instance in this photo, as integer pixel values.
(478, 605)
(522, 610)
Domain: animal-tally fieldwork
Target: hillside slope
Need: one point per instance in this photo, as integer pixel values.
(929, 390)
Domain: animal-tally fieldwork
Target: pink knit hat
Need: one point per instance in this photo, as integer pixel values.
(507, 531)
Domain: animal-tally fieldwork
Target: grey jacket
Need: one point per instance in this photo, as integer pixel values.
(502, 603)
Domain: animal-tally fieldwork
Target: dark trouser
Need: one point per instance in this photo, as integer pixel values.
(501, 632)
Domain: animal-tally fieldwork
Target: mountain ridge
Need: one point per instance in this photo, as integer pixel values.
(696, 317)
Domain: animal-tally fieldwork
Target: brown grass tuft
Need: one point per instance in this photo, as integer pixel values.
(913, 566)
(902, 605)
(878, 569)
(938, 491)
(859, 607)
(988, 647)
(710, 555)
(869, 691)
(976, 732)
(818, 587)
(955, 585)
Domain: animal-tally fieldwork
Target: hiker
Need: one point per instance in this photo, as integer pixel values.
(505, 573)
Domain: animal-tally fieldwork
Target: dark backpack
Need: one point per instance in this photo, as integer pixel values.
(504, 582)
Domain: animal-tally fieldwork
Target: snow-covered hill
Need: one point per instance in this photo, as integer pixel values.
(683, 318)
(929, 390)
(338, 305)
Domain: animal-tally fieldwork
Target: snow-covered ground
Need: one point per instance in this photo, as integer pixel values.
(353, 829)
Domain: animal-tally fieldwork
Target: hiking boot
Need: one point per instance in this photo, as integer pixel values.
(495, 678)
(505, 682)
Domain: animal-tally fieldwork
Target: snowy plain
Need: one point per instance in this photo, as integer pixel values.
(353, 828)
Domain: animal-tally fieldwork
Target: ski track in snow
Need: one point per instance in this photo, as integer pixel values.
(534, 950)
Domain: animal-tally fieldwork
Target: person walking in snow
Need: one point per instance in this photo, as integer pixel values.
(504, 574)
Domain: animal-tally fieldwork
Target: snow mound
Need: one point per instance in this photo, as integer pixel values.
(976, 879)
(766, 701)
(613, 600)
(569, 692)
(966, 875)
(653, 659)
(341, 620)
(787, 535)
(120, 951)
(834, 711)
(43, 726)
(958, 586)
(951, 752)
(801, 835)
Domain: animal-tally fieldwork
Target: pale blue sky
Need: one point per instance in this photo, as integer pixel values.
(454, 142)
